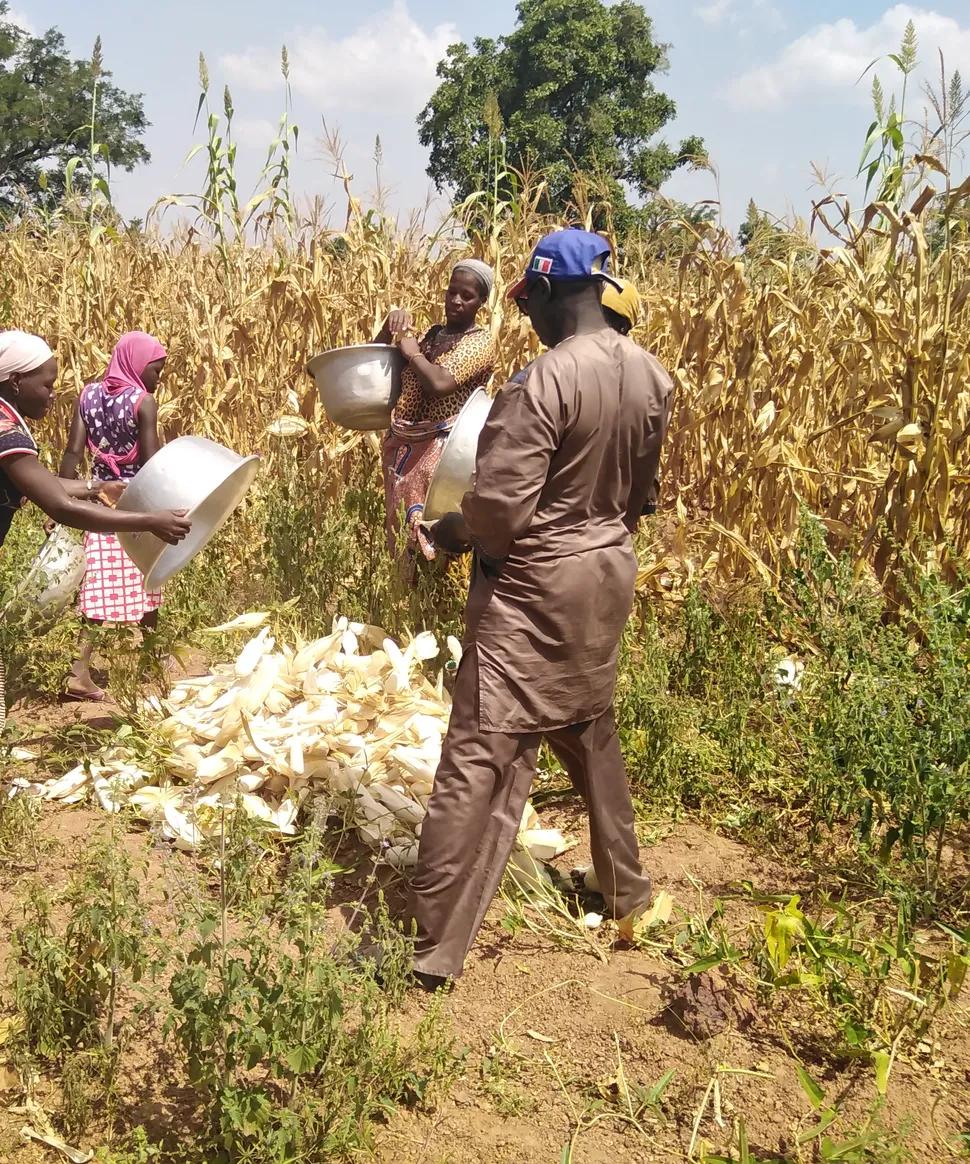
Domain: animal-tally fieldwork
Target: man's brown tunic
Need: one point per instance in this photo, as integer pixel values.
(566, 465)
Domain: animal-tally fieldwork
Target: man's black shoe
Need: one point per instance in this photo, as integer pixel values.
(432, 982)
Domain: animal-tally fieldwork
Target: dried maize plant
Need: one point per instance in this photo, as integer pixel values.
(832, 378)
(916, 313)
(836, 382)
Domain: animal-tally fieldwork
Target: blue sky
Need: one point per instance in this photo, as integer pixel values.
(769, 84)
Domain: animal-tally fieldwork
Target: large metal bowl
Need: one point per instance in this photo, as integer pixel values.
(189, 473)
(358, 386)
(455, 474)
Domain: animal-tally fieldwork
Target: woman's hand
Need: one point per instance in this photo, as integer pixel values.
(111, 491)
(170, 525)
(409, 347)
(398, 321)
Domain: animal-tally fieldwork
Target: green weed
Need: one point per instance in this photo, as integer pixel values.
(870, 742)
(68, 976)
(21, 842)
(287, 1037)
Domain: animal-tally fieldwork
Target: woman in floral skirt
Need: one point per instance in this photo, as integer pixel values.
(443, 369)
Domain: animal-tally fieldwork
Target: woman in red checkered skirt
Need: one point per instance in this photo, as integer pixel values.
(116, 422)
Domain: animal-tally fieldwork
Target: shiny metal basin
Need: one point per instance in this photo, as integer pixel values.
(358, 386)
(190, 473)
(455, 474)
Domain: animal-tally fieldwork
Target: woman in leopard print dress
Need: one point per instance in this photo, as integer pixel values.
(443, 369)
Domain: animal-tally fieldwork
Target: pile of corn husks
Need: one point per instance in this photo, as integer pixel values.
(351, 715)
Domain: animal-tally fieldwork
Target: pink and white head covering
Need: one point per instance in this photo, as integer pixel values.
(21, 352)
(132, 355)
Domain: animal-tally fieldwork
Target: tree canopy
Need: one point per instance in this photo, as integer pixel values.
(568, 90)
(45, 115)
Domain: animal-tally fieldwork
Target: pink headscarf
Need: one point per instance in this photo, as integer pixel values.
(132, 355)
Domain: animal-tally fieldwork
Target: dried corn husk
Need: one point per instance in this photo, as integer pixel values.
(544, 844)
(332, 718)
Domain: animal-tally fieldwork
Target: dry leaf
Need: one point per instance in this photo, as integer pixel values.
(75, 1155)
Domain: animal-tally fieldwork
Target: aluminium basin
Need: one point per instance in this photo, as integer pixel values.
(455, 474)
(191, 473)
(358, 386)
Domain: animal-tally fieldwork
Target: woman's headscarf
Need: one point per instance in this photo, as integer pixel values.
(482, 271)
(21, 352)
(132, 355)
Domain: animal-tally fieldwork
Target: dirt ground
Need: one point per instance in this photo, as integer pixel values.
(552, 1034)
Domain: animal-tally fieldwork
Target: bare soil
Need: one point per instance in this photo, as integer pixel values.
(556, 1037)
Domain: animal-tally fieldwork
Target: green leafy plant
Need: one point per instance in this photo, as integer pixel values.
(219, 207)
(21, 842)
(68, 978)
(287, 1037)
(878, 989)
(884, 154)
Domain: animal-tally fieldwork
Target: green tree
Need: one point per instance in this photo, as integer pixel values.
(568, 90)
(764, 238)
(45, 115)
(756, 226)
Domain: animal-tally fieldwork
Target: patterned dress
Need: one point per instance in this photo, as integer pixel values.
(421, 424)
(113, 589)
(14, 439)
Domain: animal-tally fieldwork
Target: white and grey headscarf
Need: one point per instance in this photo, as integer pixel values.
(21, 352)
(482, 272)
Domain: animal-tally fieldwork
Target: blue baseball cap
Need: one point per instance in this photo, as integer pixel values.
(567, 256)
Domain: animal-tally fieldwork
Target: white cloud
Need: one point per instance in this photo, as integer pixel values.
(386, 65)
(716, 12)
(831, 58)
(254, 132)
(744, 16)
(21, 21)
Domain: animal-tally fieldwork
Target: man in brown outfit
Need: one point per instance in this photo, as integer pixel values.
(565, 468)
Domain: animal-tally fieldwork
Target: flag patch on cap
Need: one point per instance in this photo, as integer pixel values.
(542, 265)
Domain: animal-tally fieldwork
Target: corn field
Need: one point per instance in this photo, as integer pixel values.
(829, 380)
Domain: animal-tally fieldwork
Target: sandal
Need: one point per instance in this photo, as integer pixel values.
(94, 695)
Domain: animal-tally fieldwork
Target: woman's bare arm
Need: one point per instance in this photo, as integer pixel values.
(437, 381)
(46, 491)
(109, 491)
(76, 444)
(473, 358)
(80, 490)
(434, 379)
(148, 441)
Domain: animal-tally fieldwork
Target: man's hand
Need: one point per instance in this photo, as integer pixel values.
(451, 534)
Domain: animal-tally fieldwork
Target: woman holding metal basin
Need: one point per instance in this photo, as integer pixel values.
(28, 371)
(443, 369)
